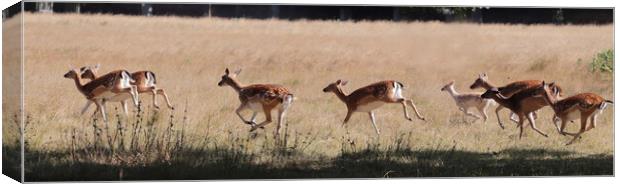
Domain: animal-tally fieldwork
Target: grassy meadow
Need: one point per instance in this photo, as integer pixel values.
(204, 139)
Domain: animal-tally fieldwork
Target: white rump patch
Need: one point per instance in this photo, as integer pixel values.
(125, 80)
(397, 91)
(150, 79)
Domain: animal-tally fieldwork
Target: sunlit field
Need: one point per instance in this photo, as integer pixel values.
(204, 139)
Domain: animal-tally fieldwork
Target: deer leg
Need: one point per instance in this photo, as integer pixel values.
(124, 105)
(267, 112)
(563, 126)
(584, 122)
(499, 121)
(483, 112)
(404, 103)
(86, 107)
(466, 111)
(513, 118)
(535, 115)
(101, 107)
(346, 119)
(163, 93)
(238, 112)
(134, 95)
(281, 114)
(415, 110)
(372, 120)
(530, 118)
(154, 92)
(253, 118)
(555, 121)
(592, 122)
(521, 125)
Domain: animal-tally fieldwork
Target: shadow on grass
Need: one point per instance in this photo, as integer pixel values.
(366, 163)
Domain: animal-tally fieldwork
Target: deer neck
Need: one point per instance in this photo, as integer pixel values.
(452, 91)
(487, 85)
(551, 100)
(503, 101)
(236, 85)
(79, 85)
(343, 97)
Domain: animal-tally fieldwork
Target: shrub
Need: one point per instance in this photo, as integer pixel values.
(603, 61)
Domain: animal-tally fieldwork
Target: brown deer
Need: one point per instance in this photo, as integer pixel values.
(522, 104)
(259, 98)
(584, 105)
(144, 81)
(508, 90)
(105, 87)
(371, 97)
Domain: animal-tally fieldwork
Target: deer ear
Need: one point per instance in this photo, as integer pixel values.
(97, 66)
(237, 71)
(344, 83)
(226, 71)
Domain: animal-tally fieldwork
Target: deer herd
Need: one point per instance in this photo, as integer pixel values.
(522, 98)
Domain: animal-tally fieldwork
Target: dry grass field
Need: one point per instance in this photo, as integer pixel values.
(203, 138)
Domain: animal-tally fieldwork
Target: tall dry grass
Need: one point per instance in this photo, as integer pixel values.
(189, 55)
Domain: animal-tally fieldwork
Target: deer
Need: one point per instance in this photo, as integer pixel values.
(466, 101)
(522, 104)
(98, 91)
(259, 98)
(507, 91)
(586, 106)
(370, 97)
(145, 82)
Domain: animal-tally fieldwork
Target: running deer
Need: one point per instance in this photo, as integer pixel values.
(98, 91)
(584, 105)
(522, 104)
(507, 91)
(371, 97)
(144, 81)
(259, 98)
(466, 101)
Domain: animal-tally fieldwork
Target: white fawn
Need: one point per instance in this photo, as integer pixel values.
(465, 101)
(371, 97)
(144, 81)
(508, 90)
(522, 104)
(98, 91)
(259, 98)
(584, 106)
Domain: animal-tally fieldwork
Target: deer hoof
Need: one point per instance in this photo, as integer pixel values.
(410, 119)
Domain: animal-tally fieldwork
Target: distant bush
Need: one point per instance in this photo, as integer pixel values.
(603, 61)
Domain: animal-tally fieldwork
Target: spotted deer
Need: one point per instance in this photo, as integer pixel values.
(371, 97)
(98, 91)
(465, 101)
(586, 106)
(259, 98)
(508, 90)
(145, 82)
